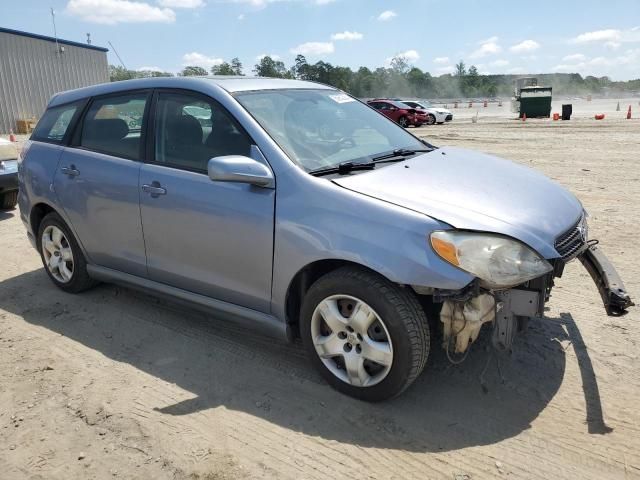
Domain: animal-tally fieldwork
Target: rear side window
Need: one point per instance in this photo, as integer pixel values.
(113, 125)
(55, 122)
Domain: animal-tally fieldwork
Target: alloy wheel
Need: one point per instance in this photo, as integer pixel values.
(57, 254)
(352, 340)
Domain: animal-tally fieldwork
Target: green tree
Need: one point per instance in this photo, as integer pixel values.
(268, 67)
(400, 65)
(461, 69)
(117, 73)
(236, 66)
(224, 68)
(193, 71)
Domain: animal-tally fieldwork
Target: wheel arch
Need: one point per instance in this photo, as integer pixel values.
(37, 213)
(303, 279)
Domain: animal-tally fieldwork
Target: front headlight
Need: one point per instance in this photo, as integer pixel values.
(498, 261)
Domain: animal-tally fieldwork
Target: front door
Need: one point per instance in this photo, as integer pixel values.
(97, 182)
(211, 238)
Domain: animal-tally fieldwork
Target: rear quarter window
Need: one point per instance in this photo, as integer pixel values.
(55, 122)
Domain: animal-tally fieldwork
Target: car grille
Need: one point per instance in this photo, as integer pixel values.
(449, 118)
(573, 241)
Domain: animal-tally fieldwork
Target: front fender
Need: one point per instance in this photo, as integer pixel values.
(328, 222)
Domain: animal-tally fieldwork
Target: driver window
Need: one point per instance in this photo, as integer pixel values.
(190, 130)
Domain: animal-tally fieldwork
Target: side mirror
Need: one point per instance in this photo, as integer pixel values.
(240, 169)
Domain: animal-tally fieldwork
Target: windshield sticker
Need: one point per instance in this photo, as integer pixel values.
(341, 98)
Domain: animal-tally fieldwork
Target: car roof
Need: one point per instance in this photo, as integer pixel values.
(228, 83)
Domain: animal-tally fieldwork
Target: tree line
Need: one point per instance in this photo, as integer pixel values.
(399, 79)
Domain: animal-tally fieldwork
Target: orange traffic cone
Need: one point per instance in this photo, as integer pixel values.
(485, 104)
(12, 137)
(524, 117)
(629, 113)
(470, 104)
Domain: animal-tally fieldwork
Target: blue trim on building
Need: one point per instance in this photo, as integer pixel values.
(52, 39)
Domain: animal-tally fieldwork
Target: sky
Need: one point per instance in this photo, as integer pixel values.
(590, 37)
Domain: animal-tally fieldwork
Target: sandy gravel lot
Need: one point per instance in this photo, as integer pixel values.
(115, 384)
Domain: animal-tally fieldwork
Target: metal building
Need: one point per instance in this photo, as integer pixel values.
(34, 67)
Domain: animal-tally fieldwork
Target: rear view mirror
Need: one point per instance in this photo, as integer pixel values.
(240, 169)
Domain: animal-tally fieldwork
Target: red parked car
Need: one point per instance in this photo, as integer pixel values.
(399, 112)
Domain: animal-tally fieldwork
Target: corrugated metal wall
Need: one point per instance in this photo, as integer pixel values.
(31, 72)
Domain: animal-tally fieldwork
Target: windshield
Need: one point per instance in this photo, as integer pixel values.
(324, 128)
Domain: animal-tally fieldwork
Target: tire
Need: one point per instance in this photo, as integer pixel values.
(8, 200)
(402, 341)
(403, 122)
(431, 119)
(76, 279)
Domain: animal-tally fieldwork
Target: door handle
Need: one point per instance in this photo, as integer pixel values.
(70, 171)
(154, 189)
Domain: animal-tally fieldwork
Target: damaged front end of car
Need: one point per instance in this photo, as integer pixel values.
(512, 283)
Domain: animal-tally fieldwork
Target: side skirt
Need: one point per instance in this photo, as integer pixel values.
(251, 319)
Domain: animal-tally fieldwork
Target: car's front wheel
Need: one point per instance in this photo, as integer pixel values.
(61, 255)
(368, 337)
(404, 122)
(431, 119)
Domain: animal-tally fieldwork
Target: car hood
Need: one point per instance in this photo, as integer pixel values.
(475, 191)
(441, 111)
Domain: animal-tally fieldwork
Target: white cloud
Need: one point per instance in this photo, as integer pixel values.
(499, 63)
(387, 15)
(602, 65)
(576, 57)
(613, 45)
(444, 70)
(347, 35)
(149, 69)
(111, 12)
(200, 60)
(410, 56)
(313, 48)
(609, 34)
(441, 60)
(525, 46)
(264, 3)
(272, 55)
(241, 17)
(181, 3)
(515, 70)
(489, 46)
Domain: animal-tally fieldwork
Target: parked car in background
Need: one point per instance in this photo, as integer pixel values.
(433, 114)
(8, 175)
(303, 213)
(400, 113)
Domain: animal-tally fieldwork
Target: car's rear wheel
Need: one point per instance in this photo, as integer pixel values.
(404, 122)
(61, 255)
(368, 337)
(8, 200)
(431, 119)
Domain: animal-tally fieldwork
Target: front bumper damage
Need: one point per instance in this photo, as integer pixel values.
(464, 313)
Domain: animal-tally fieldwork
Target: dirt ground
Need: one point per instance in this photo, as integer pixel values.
(116, 384)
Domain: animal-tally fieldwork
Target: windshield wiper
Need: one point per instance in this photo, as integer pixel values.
(342, 168)
(400, 154)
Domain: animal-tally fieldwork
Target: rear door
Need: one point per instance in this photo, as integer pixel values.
(211, 238)
(97, 181)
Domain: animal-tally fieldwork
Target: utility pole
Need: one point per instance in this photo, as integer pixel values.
(55, 32)
(116, 52)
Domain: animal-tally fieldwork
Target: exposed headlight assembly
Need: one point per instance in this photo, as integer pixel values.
(498, 261)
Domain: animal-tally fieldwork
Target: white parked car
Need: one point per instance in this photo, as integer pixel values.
(434, 114)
